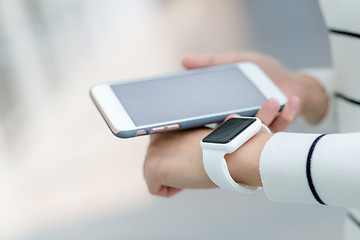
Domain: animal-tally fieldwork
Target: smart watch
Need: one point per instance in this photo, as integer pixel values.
(226, 139)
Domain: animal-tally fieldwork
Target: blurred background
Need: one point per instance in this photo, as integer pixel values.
(62, 173)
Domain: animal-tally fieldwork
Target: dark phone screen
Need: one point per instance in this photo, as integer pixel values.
(187, 96)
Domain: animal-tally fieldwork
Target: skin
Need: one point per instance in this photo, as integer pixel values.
(174, 160)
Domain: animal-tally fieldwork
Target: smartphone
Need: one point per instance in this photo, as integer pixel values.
(181, 100)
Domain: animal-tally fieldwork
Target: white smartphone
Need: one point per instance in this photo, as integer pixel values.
(184, 99)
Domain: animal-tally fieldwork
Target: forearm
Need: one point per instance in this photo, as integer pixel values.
(314, 101)
(243, 164)
(302, 168)
(312, 168)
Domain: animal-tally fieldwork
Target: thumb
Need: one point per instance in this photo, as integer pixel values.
(231, 116)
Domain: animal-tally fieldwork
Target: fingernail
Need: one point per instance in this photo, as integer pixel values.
(294, 104)
(271, 107)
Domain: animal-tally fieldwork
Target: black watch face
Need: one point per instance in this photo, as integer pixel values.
(229, 130)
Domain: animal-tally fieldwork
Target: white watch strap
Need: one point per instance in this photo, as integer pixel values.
(217, 170)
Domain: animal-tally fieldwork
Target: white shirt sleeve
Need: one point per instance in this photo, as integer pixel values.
(312, 168)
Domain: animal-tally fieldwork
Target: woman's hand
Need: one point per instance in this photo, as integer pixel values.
(174, 160)
(305, 95)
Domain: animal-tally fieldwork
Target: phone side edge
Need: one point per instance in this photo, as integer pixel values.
(111, 109)
(193, 123)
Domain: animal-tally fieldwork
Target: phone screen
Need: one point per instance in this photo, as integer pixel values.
(187, 96)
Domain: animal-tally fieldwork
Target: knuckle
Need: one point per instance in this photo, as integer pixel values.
(276, 129)
(287, 118)
(151, 165)
(250, 54)
(278, 126)
(262, 114)
(152, 191)
(266, 118)
(254, 57)
(152, 186)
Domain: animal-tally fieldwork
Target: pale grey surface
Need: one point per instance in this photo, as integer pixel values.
(210, 214)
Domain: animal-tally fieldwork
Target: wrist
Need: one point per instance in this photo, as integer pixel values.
(243, 164)
(314, 98)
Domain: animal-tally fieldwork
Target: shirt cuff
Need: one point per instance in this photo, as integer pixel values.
(283, 168)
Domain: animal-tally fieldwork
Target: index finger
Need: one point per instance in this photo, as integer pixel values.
(199, 60)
